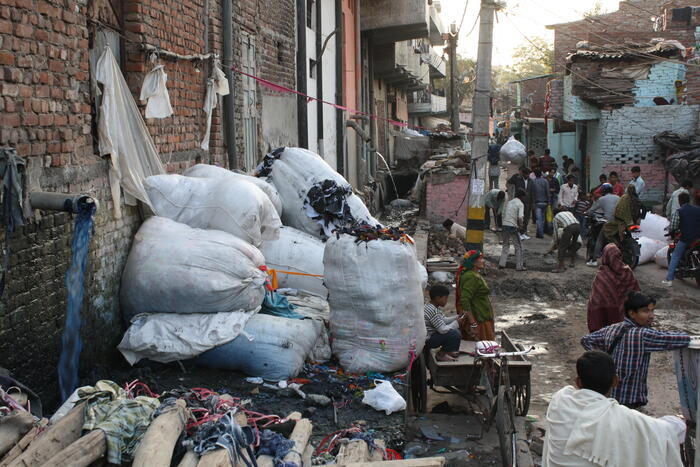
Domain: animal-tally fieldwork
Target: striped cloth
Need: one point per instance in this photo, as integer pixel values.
(435, 320)
(562, 221)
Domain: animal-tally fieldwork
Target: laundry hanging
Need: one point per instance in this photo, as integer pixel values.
(217, 84)
(155, 91)
(124, 136)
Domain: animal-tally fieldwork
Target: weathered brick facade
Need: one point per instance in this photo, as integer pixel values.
(445, 197)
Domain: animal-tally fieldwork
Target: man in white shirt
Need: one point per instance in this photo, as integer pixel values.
(637, 180)
(585, 428)
(673, 203)
(456, 230)
(566, 238)
(568, 194)
(513, 224)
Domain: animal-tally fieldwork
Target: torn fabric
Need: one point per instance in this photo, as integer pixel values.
(124, 136)
(155, 91)
(217, 84)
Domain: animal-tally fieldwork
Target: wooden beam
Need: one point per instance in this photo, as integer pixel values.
(12, 428)
(190, 459)
(23, 443)
(353, 451)
(269, 461)
(424, 462)
(300, 436)
(157, 444)
(81, 453)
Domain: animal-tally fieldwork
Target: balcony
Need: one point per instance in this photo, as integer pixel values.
(401, 65)
(395, 20)
(427, 104)
(436, 26)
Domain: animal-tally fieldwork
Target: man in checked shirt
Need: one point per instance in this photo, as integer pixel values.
(630, 344)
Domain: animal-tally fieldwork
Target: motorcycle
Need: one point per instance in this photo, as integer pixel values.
(630, 247)
(689, 265)
(596, 222)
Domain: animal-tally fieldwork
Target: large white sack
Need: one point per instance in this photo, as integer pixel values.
(212, 171)
(316, 308)
(241, 209)
(654, 226)
(299, 252)
(513, 151)
(376, 303)
(661, 257)
(270, 347)
(164, 337)
(648, 249)
(173, 268)
(294, 173)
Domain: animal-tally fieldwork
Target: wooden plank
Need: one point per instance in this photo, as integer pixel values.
(23, 443)
(56, 438)
(424, 462)
(268, 461)
(377, 455)
(353, 451)
(308, 455)
(81, 453)
(300, 436)
(157, 445)
(12, 428)
(190, 459)
(216, 458)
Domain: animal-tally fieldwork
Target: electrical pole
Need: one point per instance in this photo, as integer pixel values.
(454, 98)
(481, 114)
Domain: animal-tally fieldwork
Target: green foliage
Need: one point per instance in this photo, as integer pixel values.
(532, 59)
(597, 10)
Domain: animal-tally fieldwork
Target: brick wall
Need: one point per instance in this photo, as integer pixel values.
(576, 108)
(445, 197)
(659, 83)
(533, 96)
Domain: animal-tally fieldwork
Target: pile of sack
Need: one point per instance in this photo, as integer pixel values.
(653, 240)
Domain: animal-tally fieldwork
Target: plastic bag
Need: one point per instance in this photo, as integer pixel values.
(384, 398)
(241, 209)
(173, 268)
(513, 151)
(376, 303)
(423, 276)
(212, 171)
(661, 257)
(648, 249)
(653, 226)
(549, 215)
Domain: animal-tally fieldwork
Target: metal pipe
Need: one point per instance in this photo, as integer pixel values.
(229, 114)
(302, 105)
(65, 202)
(339, 77)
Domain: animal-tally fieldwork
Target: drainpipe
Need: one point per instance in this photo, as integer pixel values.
(302, 110)
(229, 116)
(65, 202)
(339, 77)
(319, 79)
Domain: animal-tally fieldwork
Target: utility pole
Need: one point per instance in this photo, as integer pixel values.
(454, 98)
(481, 114)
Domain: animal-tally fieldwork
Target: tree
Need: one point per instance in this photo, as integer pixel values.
(597, 10)
(466, 78)
(532, 59)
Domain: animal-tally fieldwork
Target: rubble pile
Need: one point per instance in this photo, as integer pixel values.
(442, 244)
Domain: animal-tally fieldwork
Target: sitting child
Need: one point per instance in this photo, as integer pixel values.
(442, 332)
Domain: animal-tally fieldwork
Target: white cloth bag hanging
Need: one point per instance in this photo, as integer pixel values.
(155, 91)
(217, 84)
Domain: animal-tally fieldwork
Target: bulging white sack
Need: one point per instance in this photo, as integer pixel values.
(294, 173)
(173, 268)
(241, 209)
(212, 171)
(270, 347)
(661, 257)
(513, 151)
(376, 303)
(648, 249)
(654, 226)
(298, 252)
(164, 337)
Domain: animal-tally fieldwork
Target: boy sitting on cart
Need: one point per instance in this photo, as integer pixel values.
(443, 332)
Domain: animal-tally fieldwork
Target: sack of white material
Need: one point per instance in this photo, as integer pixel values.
(164, 337)
(241, 209)
(513, 151)
(270, 347)
(212, 171)
(299, 253)
(376, 303)
(316, 308)
(315, 198)
(661, 257)
(653, 226)
(384, 398)
(648, 248)
(173, 268)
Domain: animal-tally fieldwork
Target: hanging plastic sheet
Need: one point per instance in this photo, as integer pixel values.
(10, 165)
(155, 91)
(217, 84)
(124, 136)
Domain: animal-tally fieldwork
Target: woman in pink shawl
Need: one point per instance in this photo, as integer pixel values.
(611, 285)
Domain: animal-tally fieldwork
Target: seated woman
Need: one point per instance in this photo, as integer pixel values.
(442, 333)
(474, 298)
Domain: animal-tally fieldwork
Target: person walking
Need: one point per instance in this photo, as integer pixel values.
(627, 213)
(568, 194)
(494, 159)
(673, 205)
(546, 161)
(637, 180)
(565, 239)
(513, 224)
(494, 203)
(602, 211)
(630, 344)
(611, 285)
(685, 220)
(522, 181)
(614, 180)
(474, 297)
(539, 194)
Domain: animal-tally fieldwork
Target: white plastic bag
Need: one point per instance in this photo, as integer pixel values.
(164, 337)
(212, 171)
(241, 208)
(384, 398)
(661, 257)
(653, 226)
(376, 303)
(297, 252)
(513, 151)
(648, 249)
(155, 91)
(423, 276)
(173, 268)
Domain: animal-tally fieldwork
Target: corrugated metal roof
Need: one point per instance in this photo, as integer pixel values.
(626, 51)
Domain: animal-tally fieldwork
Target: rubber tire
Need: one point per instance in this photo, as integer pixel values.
(419, 385)
(505, 426)
(521, 398)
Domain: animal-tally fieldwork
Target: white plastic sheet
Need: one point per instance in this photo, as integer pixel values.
(164, 337)
(384, 398)
(240, 208)
(513, 151)
(297, 252)
(212, 171)
(173, 268)
(654, 226)
(124, 136)
(376, 303)
(648, 249)
(217, 84)
(661, 257)
(155, 91)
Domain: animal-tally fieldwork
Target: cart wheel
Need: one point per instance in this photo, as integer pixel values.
(522, 393)
(419, 385)
(505, 426)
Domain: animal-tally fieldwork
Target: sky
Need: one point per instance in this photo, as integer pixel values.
(529, 17)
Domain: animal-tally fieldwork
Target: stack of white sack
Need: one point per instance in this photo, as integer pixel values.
(661, 257)
(648, 248)
(298, 253)
(316, 199)
(241, 209)
(173, 268)
(376, 302)
(212, 171)
(654, 227)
